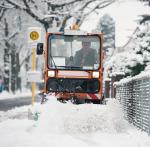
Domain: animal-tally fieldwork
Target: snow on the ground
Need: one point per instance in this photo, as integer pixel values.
(7, 95)
(17, 112)
(72, 125)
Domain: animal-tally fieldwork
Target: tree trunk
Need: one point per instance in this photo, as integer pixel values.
(6, 59)
(18, 80)
(13, 70)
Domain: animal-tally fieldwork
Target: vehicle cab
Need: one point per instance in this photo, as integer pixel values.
(73, 65)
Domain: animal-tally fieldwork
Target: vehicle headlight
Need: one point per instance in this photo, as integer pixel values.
(51, 73)
(95, 74)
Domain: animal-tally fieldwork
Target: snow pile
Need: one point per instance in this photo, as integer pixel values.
(72, 125)
(16, 113)
(68, 118)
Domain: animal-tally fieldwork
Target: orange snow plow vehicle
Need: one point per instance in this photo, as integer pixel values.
(73, 66)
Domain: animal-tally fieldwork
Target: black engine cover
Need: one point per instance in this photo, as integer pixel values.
(73, 85)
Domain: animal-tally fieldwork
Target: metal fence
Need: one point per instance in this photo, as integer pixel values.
(134, 95)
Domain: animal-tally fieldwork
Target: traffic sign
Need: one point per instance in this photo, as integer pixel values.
(34, 35)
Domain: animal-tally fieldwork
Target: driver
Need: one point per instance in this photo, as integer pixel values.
(86, 56)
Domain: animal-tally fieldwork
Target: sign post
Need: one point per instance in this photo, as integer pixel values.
(33, 69)
(34, 36)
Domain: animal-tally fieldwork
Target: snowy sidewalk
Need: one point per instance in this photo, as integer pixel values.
(71, 125)
(6, 95)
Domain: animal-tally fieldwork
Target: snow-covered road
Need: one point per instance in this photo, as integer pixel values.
(12, 101)
(70, 125)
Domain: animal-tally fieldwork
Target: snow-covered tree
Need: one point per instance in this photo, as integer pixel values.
(142, 48)
(136, 58)
(9, 51)
(145, 17)
(107, 27)
(146, 1)
(38, 9)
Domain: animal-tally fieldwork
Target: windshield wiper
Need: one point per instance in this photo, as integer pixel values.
(70, 67)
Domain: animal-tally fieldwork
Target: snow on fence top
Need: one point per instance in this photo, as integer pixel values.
(116, 73)
(142, 75)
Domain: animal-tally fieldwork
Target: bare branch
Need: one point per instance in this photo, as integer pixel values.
(20, 48)
(26, 9)
(86, 5)
(23, 61)
(6, 7)
(57, 8)
(12, 36)
(62, 4)
(17, 6)
(31, 13)
(2, 12)
(100, 5)
(3, 9)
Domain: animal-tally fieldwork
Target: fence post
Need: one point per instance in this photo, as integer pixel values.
(107, 88)
(114, 78)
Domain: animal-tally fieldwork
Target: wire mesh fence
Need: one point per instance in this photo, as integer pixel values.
(134, 96)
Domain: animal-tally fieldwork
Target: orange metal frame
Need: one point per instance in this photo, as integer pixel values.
(78, 95)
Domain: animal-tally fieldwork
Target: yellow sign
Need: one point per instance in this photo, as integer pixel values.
(34, 35)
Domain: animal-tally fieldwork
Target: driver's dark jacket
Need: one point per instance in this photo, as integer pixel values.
(85, 57)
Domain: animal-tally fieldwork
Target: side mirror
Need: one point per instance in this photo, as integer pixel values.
(39, 49)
